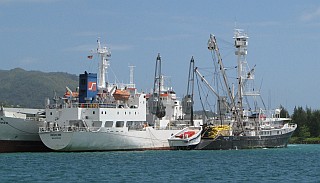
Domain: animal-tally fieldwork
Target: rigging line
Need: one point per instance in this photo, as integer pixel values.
(218, 68)
(115, 76)
(247, 101)
(261, 96)
(205, 92)
(205, 96)
(207, 101)
(229, 44)
(154, 138)
(205, 112)
(151, 136)
(213, 58)
(264, 105)
(93, 64)
(255, 102)
(218, 83)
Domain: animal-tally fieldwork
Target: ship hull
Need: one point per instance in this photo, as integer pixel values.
(20, 135)
(7, 146)
(112, 140)
(182, 140)
(244, 142)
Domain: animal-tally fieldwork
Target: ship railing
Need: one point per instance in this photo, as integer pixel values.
(262, 113)
(169, 128)
(42, 129)
(82, 105)
(91, 105)
(68, 129)
(80, 129)
(97, 105)
(49, 129)
(36, 118)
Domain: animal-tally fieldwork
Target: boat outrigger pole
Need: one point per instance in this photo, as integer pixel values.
(206, 82)
(213, 46)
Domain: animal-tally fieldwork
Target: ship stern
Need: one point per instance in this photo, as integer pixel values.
(57, 140)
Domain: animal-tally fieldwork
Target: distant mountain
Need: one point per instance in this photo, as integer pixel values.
(23, 88)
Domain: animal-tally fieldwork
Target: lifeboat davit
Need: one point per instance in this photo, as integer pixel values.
(121, 94)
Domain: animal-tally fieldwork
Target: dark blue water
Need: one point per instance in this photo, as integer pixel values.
(297, 163)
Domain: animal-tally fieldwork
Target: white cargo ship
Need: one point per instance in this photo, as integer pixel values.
(103, 116)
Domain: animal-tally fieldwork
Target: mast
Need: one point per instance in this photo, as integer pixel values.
(158, 108)
(241, 51)
(187, 102)
(192, 88)
(132, 85)
(104, 54)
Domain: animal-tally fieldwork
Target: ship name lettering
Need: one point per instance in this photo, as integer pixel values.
(55, 134)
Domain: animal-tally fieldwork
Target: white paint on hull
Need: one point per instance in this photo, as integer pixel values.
(107, 140)
(18, 129)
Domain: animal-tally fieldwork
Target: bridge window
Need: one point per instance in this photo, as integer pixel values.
(119, 124)
(108, 124)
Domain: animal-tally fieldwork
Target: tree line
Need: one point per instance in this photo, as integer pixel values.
(308, 121)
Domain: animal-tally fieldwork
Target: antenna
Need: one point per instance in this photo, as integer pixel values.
(132, 85)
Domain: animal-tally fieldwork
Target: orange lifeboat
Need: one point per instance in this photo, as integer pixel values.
(164, 94)
(121, 94)
(74, 94)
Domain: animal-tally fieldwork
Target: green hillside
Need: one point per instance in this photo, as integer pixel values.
(30, 88)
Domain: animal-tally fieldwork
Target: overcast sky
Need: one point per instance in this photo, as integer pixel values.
(57, 35)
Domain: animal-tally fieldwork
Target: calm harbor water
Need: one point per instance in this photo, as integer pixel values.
(297, 163)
